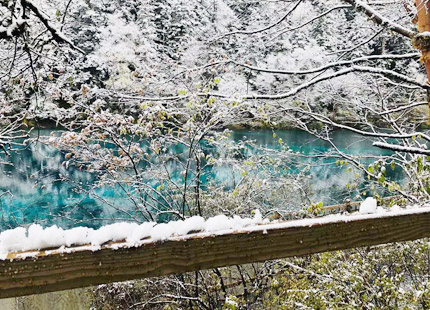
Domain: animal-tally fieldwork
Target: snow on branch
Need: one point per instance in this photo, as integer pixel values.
(294, 91)
(376, 17)
(58, 36)
(391, 74)
(13, 29)
(333, 64)
(328, 121)
(403, 108)
(384, 72)
(401, 148)
(142, 98)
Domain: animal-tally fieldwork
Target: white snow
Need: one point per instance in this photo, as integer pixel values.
(113, 232)
(368, 206)
(37, 238)
(162, 231)
(40, 238)
(13, 238)
(395, 208)
(132, 235)
(424, 34)
(231, 302)
(141, 232)
(77, 233)
(400, 148)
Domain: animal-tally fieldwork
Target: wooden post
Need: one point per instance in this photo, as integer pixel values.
(422, 40)
(47, 271)
(422, 21)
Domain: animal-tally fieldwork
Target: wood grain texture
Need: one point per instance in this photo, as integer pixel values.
(55, 272)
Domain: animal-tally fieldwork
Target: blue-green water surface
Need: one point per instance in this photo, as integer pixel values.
(32, 191)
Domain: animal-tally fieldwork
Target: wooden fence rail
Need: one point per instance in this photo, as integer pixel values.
(55, 270)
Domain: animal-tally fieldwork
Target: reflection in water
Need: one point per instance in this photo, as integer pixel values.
(33, 192)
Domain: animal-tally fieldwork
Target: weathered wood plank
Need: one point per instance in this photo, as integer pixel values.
(53, 271)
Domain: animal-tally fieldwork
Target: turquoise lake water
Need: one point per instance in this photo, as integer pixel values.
(32, 192)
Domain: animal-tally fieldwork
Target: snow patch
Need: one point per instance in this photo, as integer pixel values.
(86, 239)
(37, 238)
(368, 206)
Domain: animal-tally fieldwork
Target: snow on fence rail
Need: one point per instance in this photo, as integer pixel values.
(228, 242)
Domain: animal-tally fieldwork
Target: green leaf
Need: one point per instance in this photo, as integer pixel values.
(419, 164)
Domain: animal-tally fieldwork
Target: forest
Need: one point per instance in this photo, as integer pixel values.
(149, 121)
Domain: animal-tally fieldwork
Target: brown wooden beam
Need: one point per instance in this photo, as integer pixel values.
(55, 270)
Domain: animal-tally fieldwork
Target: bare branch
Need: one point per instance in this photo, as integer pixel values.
(402, 108)
(248, 32)
(285, 30)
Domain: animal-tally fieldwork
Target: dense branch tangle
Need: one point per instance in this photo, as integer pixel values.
(390, 114)
(19, 19)
(374, 69)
